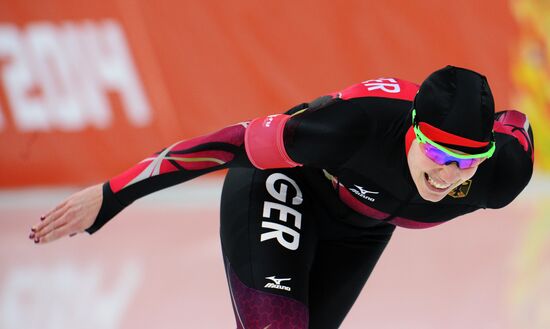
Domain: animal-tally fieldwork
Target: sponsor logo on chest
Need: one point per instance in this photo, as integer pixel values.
(364, 193)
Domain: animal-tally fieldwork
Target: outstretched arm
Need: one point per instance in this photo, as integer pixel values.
(90, 209)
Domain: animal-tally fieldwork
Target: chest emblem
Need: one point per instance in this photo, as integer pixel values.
(363, 193)
(461, 191)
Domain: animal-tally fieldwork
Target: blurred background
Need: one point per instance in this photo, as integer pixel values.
(89, 88)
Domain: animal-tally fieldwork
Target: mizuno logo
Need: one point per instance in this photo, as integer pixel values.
(277, 283)
(361, 192)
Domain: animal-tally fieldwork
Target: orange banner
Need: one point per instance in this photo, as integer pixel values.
(89, 88)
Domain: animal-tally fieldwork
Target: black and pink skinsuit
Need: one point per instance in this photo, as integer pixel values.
(312, 197)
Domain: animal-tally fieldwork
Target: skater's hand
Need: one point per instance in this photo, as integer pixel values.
(70, 217)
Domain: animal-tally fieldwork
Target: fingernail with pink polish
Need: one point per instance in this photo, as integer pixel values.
(31, 236)
(42, 217)
(36, 240)
(33, 229)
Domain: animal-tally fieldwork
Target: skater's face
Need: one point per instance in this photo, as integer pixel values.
(434, 181)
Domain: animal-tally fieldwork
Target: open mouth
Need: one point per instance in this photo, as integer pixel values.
(436, 185)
